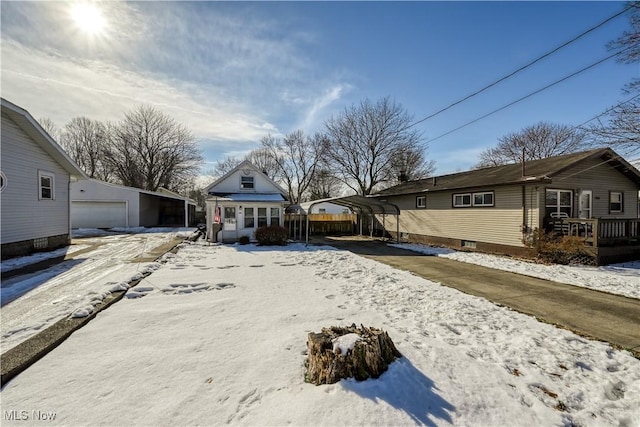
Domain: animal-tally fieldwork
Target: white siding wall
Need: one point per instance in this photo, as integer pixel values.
(93, 190)
(24, 216)
(232, 184)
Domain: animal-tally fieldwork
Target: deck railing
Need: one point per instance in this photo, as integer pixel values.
(601, 232)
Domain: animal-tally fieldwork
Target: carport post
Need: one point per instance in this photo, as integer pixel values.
(397, 228)
(371, 228)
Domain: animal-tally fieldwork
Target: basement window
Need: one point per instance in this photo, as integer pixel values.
(468, 244)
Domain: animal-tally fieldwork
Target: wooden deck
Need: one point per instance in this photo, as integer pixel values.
(601, 232)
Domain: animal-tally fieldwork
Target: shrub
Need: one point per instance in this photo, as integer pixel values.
(556, 249)
(244, 240)
(272, 235)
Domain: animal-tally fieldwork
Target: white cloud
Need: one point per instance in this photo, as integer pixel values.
(319, 104)
(57, 87)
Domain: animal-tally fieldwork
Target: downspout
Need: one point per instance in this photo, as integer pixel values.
(524, 227)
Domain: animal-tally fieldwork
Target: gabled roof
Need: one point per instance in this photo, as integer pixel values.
(512, 174)
(245, 165)
(32, 128)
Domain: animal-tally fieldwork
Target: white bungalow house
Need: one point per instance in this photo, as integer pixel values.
(99, 204)
(242, 201)
(34, 193)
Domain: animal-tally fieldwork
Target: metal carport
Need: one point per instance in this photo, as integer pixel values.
(363, 205)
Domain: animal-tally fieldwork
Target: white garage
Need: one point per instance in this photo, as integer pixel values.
(99, 214)
(98, 204)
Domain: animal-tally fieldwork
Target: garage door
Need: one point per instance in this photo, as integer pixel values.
(98, 214)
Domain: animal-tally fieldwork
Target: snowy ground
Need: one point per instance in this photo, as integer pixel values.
(620, 279)
(217, 335)
(35, 301)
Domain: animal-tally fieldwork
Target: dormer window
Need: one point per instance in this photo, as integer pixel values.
(246, 183)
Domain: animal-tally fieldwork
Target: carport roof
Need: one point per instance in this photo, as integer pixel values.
(361, 203)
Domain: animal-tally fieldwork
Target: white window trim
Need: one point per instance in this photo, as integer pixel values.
(621, 201)
(462, 205)
(473, 199)
(52, 177)
(242, 184)
(559, 205)
(421, 202)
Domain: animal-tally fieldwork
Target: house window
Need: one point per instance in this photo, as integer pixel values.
(275, 216)
(559, 203)
(46, 185)
(421, 202)
(249, 219)
(246, 182)
(3, 181)
(483, 199)
(616, 200)
(262, 217)
(322, 210)
(461, 200)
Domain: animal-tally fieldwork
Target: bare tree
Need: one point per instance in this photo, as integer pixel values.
(149, 150)
(225, 166)
(620, 126)
(410, 164)
(263, 160)
(538, 141)
(621, 129)
(365, 140)
(297, 157)
(85, 140)
(324, 185)
(50, 127)
(628, 44)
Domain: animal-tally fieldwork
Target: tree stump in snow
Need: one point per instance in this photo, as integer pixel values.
(351, 352)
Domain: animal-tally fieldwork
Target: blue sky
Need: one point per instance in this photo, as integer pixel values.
(233, 72)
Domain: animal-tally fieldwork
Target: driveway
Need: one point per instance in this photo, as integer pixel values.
(599, 315)
(34, 300)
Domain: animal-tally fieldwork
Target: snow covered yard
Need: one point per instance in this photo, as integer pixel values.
(217, 335)
(35, 301)
(620, 279)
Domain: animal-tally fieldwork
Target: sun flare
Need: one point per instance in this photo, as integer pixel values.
(88, 17)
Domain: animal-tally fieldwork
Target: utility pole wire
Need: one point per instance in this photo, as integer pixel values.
(528, 95)
(551, 52)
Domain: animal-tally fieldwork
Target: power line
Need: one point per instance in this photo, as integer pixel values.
(528, 95)
(551, 52)
(607, 111)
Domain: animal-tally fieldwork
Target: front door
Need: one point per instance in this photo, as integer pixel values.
(585, 204)
(229, 219)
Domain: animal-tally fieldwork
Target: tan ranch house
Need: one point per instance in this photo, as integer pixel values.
(245, 199)
(591, 194)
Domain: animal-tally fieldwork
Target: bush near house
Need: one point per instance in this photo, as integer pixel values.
(244, 240)
(556, 249)
(272, 235)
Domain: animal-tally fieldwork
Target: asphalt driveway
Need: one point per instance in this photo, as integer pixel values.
(594, 314)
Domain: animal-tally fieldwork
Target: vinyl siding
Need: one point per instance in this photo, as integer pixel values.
(599, 177)
(24, 216)
(500, 224)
